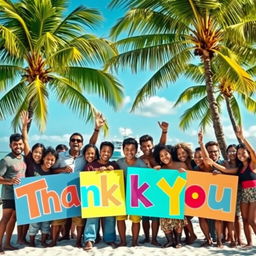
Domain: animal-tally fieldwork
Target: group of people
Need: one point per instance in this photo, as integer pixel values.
(39, 160)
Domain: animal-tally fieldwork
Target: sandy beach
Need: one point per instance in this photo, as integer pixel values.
(67, 247)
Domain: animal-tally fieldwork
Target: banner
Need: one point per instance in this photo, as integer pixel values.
(157, 193)
(211, 196)
(164, 193)
(102, 193)
(170, 194)
(50, 197)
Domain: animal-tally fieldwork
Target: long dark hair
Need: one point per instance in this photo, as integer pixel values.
(238, 162)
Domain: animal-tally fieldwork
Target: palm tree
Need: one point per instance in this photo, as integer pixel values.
(165, 35)
(223, 93)
(43, 52)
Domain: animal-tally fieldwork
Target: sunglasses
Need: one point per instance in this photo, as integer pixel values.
(76, 140)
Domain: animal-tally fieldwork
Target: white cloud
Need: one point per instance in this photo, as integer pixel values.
(155, 106)
(125, 132)
(126, 100)
(251, 131)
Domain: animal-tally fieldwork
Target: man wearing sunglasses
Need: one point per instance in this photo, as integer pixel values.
(70, 161)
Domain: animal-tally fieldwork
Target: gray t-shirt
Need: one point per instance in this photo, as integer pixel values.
(123, 164)
(11, 167)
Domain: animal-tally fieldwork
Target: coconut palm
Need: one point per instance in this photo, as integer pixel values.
(166, 35)
(200, 110)
(45, 51)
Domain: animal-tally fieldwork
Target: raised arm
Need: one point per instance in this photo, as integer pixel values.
(24, 130)
(240, 135)
(99, 122)
(164, 127)
(219, 167)
(203, 149)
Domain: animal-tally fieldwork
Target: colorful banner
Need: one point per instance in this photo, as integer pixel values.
(157, 193)
(163, 193)
(49, 197)
(102, 193)
(211, 196)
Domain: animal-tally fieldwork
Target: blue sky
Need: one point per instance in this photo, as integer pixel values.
(62, 122)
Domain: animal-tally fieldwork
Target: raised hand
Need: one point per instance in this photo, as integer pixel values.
(208, 161)
(164, 126)
(99, 120)
(200, 137)
(239, 133)
(25, 120)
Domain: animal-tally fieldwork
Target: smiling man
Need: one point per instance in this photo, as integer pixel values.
(70, 161)
(12, 168)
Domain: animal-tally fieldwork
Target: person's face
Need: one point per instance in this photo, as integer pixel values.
(105, 153)
(214, 152)
(198, 158)
(146, 147)
(242, 154)
(129, 151)
(49, 160)
(232, 153)
(76, 143)
(37, 154)
(90, 155)
(165, 156)
(182, 154)
(17, 147)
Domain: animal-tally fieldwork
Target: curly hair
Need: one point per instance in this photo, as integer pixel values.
(158, 148)
(184, 146)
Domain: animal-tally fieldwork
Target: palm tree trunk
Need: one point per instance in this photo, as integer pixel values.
(30, 114)
(217, 126)
(231, 117)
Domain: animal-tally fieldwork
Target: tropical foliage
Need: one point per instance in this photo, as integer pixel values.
(224, 95)
(165, 35)
(45, 51)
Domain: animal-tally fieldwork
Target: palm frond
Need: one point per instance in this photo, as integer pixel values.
(190, 93)
(249, 103)
(8, 75)
(11, 42)
(169, 72)
(197, 111)
(146, 21)
(9, 10)
(93, 49)
(195, 72)
(37, 97)
(67, 93)
(12, 100)
(151, 57)
(235, 74)
(99, 82)
(73, 24)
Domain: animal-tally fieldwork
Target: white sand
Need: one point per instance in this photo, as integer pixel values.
(67, 248)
